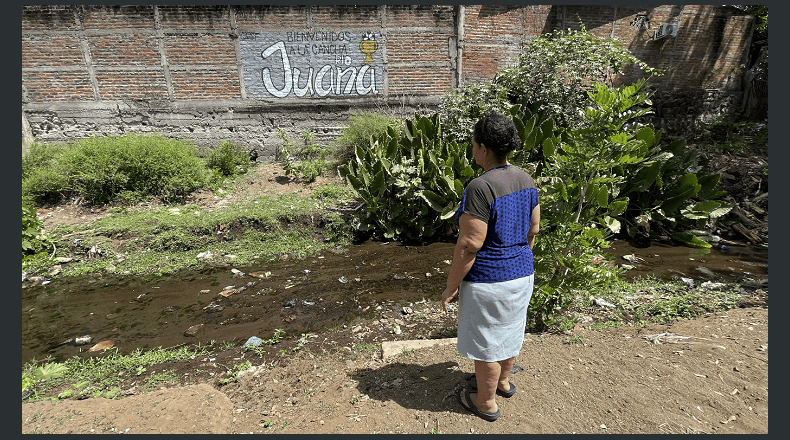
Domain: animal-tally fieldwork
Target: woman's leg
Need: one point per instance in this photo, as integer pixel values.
(487, 375)
(505, 367)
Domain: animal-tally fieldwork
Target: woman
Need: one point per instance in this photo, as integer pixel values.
(492, 272)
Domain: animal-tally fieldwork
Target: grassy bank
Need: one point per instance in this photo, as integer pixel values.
(166, 239)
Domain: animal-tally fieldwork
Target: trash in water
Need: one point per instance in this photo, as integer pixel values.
(252, 342)
(103, 345)
(515, 369)
(603, 303)
(228, 291)
(83, 340)
(343, 280)
(213, 308)
(237, 273)
(291, 303)
(308, 303)
(633, 259)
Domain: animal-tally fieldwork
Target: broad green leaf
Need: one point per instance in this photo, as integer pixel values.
(378, 185)
(647, 135)
(392, 147)
(617, 207)
(612, 224)
(549, 147)
(603, 197)
(690, 240)
(449, 210)
(435, 201)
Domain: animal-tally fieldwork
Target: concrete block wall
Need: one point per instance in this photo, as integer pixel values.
(184, 71)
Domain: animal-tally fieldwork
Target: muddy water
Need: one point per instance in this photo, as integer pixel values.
(299, 296)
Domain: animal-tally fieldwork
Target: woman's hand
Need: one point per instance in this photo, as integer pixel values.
(448, 296)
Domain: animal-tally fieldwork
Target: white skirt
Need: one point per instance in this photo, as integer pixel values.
(492, 318)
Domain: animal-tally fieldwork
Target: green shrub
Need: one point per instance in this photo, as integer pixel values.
(34, 238)
(362, 127)
(556, 69)
(106, 169)
(229, 159)
(729, 135)
(462, 108)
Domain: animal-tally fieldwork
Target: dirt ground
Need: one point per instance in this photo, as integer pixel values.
(708, 375)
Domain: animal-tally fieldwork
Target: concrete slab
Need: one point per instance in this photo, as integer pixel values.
(390, 348)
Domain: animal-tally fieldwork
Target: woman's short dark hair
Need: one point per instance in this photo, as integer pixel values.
(498, 133)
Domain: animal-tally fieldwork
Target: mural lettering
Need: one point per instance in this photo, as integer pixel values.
(309, 64)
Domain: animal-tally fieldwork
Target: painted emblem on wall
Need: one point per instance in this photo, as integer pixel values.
(311, 64)
(368, 46)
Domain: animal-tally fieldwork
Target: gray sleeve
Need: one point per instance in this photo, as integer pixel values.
(479, 197)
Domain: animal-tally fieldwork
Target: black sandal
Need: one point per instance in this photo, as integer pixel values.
(475, 410)
(506, 394)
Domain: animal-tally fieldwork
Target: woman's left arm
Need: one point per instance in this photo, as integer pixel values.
(472, 234)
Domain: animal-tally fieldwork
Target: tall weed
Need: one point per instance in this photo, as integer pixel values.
(304, 162)
(362, 127)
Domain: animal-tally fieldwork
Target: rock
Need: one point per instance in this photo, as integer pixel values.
(192, 331)
(705, 271)
(64, 259)
(54, 270)
(103, 345)
(205, 255)
(711, 285)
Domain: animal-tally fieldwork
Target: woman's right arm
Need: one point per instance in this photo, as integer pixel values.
(534, 226)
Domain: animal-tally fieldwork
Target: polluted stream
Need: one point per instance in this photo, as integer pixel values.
(231, 304)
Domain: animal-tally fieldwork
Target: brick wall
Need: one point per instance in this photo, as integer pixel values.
(181, 69)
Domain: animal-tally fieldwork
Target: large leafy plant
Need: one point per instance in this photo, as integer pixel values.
(410, 183)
